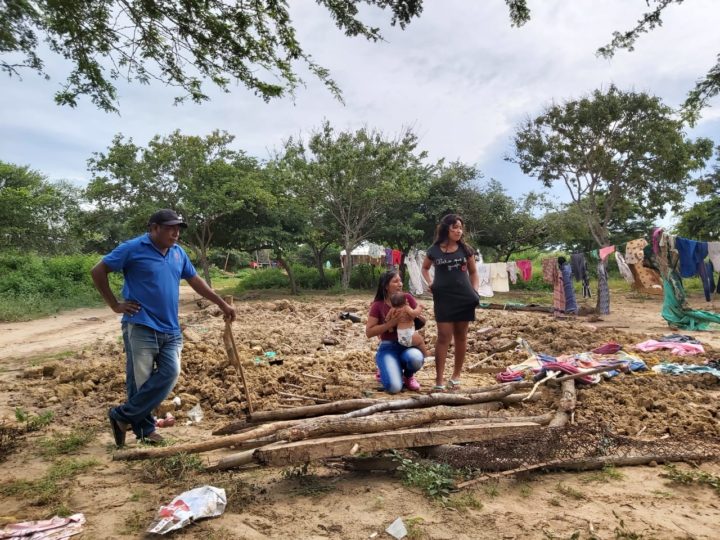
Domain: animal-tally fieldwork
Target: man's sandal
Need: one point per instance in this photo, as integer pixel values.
(438, 388)
(454, 384)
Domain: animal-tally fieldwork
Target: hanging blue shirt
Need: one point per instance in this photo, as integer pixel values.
(691, 253)
(152, 280)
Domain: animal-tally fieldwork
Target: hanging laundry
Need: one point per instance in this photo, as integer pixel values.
(512, 271)
(656, 236)
(605, 251)
(417, 283)
(625, 271)
(706, 278)
(714, 254)
(549, 269)
(634, 251)
(499, 277)
(525, 267)
(388, 256)
(484, 287)
(603, 304)
(558, 288)
(691, 253)
(580, 272)
(396, 257)
(570, 302)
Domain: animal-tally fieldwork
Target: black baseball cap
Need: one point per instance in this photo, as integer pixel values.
(167, 217)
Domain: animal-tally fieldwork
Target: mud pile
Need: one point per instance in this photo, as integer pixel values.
(293, 350)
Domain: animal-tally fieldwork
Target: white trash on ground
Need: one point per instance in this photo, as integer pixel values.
(397, 529)
(189, 506)
(56, 528)
(196, 414)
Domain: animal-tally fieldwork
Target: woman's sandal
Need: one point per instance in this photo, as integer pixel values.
(438, 388)
(454, 384)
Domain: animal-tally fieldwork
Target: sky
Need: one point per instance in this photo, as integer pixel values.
(460, 76)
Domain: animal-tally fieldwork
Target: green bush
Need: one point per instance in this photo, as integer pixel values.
(309, 278)
(32, 286)
(270, 278)
(365, 276)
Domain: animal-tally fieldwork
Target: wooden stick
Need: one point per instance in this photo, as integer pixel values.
(334, 407)
(313, 449)
(235, 357)
(510, 307)
(311, 376)
(562, 416)
(300, 396)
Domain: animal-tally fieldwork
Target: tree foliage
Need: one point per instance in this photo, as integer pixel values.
(608, 148)
(200, 177)
(36, 214)
(180, 44)
(702, 220)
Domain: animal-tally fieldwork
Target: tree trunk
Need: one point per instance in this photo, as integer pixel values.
(205, 265)
(347, 269)
(284, 264)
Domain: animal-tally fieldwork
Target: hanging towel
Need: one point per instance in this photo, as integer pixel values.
(525, 267)
(484, 287)
(625, 271)
(499, 277)
(634, 251)
(396, 257)
(605, 251)
(656, 236)
(580, 272)
(558, 288)
(549, 269)
(512, 271)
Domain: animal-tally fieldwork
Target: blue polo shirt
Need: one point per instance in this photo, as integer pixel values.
(152, 280)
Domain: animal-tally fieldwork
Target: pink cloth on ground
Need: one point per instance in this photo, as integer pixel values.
(681, 349)
(605, 251)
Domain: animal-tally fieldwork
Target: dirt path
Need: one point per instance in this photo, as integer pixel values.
(68, 331)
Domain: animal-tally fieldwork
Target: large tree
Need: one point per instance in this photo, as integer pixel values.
(357, 176)
(36, 214)
(610, 147)
(182, 44)
(200, 177)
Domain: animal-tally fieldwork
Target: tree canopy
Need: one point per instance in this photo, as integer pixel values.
(181, 44)
(611, 147)
(702, 220)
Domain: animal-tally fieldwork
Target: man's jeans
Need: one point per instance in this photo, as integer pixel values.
(396, 362)
(152, 369)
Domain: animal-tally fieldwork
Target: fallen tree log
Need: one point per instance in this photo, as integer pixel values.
(430, 400)
(314, 449)
(335, 407)
(587, 464)
(567, 404)
(381, 422)
(513, 307)
(542, 420)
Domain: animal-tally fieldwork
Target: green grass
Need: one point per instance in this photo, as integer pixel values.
(436, 480)
(607, 474)
(51, 488)
(702, 478)
(570, 492)
(33, 422)
(65, 443)
(173, 468)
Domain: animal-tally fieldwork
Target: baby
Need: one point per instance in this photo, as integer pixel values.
(407, 336)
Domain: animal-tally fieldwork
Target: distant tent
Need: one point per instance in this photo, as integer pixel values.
(365, 253)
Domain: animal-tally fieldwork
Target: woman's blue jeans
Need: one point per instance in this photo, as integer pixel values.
(152, 369)
(396, 362)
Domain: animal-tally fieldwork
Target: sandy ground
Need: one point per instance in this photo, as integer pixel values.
(119, 499)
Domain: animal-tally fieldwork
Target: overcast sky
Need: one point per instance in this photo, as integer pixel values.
(460, 76)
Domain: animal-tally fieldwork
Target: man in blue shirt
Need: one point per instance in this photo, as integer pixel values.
(152, 265)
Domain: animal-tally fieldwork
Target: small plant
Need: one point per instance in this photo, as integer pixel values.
(621, 533)
(463, 502)
(662, 494)
(692, 477)
(555, 502)
(58, 443)
(571, 492)
(525, 490)
(607, 474)
(50, 488)
(134, 523)
(138, 494)
(491, 490)
(436, 480)
(414, 528)
(33, 422)
(178, 467)
(308, 483)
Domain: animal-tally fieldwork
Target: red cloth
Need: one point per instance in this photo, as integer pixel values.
(525, 268)
(396, 257)
(379, 309)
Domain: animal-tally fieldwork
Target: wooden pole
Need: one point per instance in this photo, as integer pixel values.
(234, 357)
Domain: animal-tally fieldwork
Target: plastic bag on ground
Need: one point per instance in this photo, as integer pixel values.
(397, 529)
(196, 414)
(56, 528)
(198, 503)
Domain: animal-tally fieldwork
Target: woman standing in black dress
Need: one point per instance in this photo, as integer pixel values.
(454, 294)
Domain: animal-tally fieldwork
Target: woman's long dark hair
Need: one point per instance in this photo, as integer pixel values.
(383, 282)
(443, 230)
